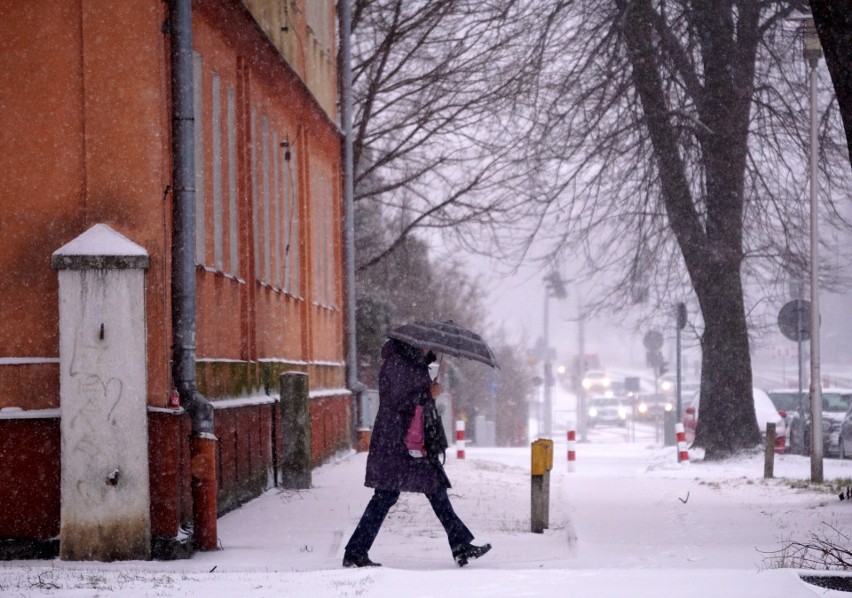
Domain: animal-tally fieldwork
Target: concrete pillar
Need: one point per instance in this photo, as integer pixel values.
(105, 512)
(296, 431)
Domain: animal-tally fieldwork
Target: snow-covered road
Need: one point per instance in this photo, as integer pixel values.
(630, 521)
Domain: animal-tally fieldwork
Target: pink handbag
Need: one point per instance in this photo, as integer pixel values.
(414, 436)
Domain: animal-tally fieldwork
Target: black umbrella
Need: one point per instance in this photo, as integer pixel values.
(445, 337)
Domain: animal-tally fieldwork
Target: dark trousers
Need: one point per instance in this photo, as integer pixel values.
(378, 507)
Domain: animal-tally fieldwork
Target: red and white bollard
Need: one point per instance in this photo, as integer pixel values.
(572, 448)
(459, 439)
(682, 453)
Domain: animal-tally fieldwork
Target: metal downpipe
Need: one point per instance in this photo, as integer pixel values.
(358, 420)
(200, 410)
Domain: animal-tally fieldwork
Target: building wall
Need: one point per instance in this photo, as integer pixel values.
(85, 137)
(304, 32)
(84, 140)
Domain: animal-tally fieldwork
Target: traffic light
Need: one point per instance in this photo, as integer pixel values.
(555, 285)
(664, 367)
(681, 316)
(631, 384)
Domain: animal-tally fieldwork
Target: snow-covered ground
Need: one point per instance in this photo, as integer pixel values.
(630, 521)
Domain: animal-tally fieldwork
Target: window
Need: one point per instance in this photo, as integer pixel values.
(276, 207)
(291, 221)
(319, 19)
(198, 109)
(222, 169)
(217, 173)
(324, 238)
(233, 213)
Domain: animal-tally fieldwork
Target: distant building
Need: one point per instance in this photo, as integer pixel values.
(85, 139)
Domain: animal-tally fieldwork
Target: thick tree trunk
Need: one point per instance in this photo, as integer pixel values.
(833, 20)
(712, 250)
(727, 421)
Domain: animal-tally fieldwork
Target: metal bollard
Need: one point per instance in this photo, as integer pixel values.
(769, 454)
(682, 452)
(542, 463)
(460, 439)
(572, 448)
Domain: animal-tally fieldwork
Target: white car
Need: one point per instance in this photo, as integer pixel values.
(764, 409)
(596, 380)
(607, 410)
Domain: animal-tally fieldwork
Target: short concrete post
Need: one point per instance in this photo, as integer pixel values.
(542, 463)
(105, 512)
(769, 454)
(296, 431)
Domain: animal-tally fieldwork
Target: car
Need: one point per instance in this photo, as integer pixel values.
(652, 406)
(836, 403)
(788, 401)
(596, 380)
(764, 409)
(667, 384)
(607, 410)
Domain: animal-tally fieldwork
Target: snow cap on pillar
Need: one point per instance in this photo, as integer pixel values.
(100, 248)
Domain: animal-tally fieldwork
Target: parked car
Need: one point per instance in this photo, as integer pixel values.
(596, 380)
(764, 409)
(607, 410)
(836, 403)
(787, 401)
(844, 437)
(652, 407)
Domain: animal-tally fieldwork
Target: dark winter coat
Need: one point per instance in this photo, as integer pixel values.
(403, 384)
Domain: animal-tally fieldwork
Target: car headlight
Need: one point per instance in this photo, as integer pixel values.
(593, 412)
(605, 382)
(668, 407)
(643, 407)
(622, 412)
(587, 383)
(666, 385)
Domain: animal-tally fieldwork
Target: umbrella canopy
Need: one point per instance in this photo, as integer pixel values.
(445, 337)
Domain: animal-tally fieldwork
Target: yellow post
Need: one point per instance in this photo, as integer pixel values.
(542, 463)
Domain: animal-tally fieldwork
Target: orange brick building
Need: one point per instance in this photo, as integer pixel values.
(85, 138)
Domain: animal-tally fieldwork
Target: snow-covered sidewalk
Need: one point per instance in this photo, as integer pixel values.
(629, 522)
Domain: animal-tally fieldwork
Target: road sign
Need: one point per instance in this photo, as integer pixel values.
(794, 320)
(653, 340)
(681, 316)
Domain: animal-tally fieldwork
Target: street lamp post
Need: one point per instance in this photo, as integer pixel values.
(582, 422)
(812, 53)
(547, 424)
(553, 285)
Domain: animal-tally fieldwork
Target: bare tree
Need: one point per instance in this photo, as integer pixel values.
(662, 140)
(834, 24)
(672, 150)
(434, 85)
(408, 285)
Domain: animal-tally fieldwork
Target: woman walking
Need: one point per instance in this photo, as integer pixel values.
(405, 384)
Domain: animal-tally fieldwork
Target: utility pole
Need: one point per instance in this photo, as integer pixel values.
(812, 53)
(680, 325)
(582, 426)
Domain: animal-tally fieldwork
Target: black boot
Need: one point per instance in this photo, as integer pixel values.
(462, 554)
(351, 559)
